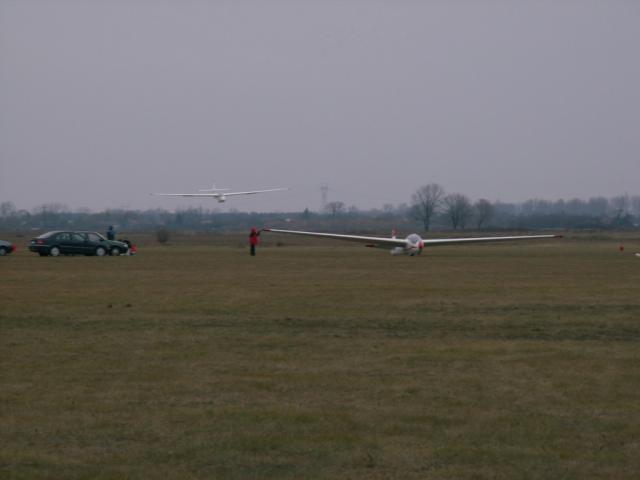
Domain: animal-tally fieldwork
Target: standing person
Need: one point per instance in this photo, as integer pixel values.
(111, 233)
(253, 240)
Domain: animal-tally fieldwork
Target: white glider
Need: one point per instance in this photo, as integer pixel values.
(219, 194)
(413, 244)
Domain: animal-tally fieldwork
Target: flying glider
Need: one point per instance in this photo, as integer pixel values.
(411, 245)
(219, 194)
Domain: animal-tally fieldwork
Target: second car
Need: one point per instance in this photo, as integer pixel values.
(75, 243)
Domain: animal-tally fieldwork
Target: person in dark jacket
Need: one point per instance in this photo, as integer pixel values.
(111, 233)
(253, 240)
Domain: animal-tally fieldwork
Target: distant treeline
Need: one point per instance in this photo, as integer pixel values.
(447, 212)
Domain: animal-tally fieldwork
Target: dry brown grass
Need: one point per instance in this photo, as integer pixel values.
(497, 361)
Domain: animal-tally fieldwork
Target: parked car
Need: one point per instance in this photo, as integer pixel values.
(75, 243)
(6, 248)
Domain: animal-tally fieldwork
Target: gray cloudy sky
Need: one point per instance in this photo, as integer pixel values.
(102, 102)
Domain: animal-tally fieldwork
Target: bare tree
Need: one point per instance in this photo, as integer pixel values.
(484, 211)
(388, 208)
(635, 205)
(7, 209)
(576, 206)
(425, 202)
(52, 208)
(458, 209)
(620, 207)
(598, 205)
(335, 208)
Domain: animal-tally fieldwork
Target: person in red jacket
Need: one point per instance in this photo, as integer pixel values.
(253, 240)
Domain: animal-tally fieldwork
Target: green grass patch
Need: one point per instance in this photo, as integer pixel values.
(496, 361)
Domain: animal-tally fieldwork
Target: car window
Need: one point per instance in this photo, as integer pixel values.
(63, 237)
(78, 237)
(94, 237)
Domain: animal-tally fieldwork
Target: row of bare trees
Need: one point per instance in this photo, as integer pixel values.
(431, 206)
(431, 199)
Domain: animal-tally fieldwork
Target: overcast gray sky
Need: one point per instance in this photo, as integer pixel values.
(103, 102)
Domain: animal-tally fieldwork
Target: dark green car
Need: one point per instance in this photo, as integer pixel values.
(75, 243)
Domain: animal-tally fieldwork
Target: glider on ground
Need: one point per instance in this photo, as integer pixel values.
(413, 244)
(219, 194)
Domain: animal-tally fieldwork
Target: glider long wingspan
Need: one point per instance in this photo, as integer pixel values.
(413, 244)
(391, 242)
(451, 241)
(218, 194)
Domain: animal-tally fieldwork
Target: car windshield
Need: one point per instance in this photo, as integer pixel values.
(46, 235)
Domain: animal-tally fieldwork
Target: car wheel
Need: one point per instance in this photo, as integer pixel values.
(101, 251)
(115, 251)
(54, 251)
(3, 251)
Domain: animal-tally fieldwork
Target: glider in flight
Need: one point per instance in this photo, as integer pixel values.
(219, 194)
(413, 244)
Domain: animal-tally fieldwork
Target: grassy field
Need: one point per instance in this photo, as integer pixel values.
(322, 361)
